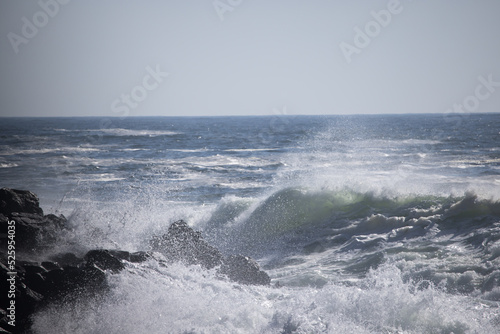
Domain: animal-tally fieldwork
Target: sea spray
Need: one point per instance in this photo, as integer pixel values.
(366, 223)
(178, 299)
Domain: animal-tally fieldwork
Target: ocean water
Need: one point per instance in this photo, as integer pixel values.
(366, 224)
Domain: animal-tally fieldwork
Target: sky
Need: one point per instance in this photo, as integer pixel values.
(248, 57)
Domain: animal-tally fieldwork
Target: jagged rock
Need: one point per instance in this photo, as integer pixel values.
(65, 259)
(182, 243)
(38, 283)
(50, 265)
(104, 260)
(69, 276)
(136, 257)
(139, 257)
(245, 270)
(33, 230)
(13, 200)
(26, 300)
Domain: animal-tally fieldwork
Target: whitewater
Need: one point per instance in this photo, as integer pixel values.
(365, 223)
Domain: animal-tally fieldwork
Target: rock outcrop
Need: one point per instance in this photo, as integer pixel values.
(182, 243)
(12, 200)
(37, 283)
(67, 275)
(244, 270)
(33, 230)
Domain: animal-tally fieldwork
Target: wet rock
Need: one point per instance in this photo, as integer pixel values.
(13, 200)
(69, 276)
(139, 256)
(26, 299)
(130, 257)
(50, 265)
(181, 243)
(35, 284)
(245, 270)
(65, 259)
(104, 260)
(33, 230)
(74, 281)
(119, 254)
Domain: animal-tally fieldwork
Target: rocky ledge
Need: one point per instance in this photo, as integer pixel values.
(27, 231)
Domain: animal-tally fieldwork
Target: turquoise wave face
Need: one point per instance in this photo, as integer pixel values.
(298, 210)
(345, 234)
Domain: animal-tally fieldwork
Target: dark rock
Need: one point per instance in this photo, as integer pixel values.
(36, 284)
(33, 277)
(33, 229)
(13, 200)
(53, 221)
(139, 256)
(26, 230)
(66, 259)
(104, 260)
(119, 254)
(130, 257)
(245, 270)
(72, 281)
(35, 232)
(4, 322)
(70, 277)
(50, 265)
(182, 243)
(26, 300)
(33, 268)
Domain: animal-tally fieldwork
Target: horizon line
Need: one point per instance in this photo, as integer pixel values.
(258, 115)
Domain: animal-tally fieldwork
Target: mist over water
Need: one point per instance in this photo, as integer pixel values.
(366, 224)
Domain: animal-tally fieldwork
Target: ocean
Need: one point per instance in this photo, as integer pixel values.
(365, 223)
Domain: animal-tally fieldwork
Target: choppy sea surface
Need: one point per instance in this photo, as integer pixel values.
(366, 224)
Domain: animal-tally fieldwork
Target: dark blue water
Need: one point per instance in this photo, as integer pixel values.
(371, 224)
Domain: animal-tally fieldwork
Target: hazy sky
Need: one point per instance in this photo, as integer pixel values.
(245, 57)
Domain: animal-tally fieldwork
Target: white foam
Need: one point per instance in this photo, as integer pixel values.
(55, 150)
(151, 298)
(8, 165)
(251, 149)
(129, 132)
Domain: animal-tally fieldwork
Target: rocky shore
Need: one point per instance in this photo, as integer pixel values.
(28, 286)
